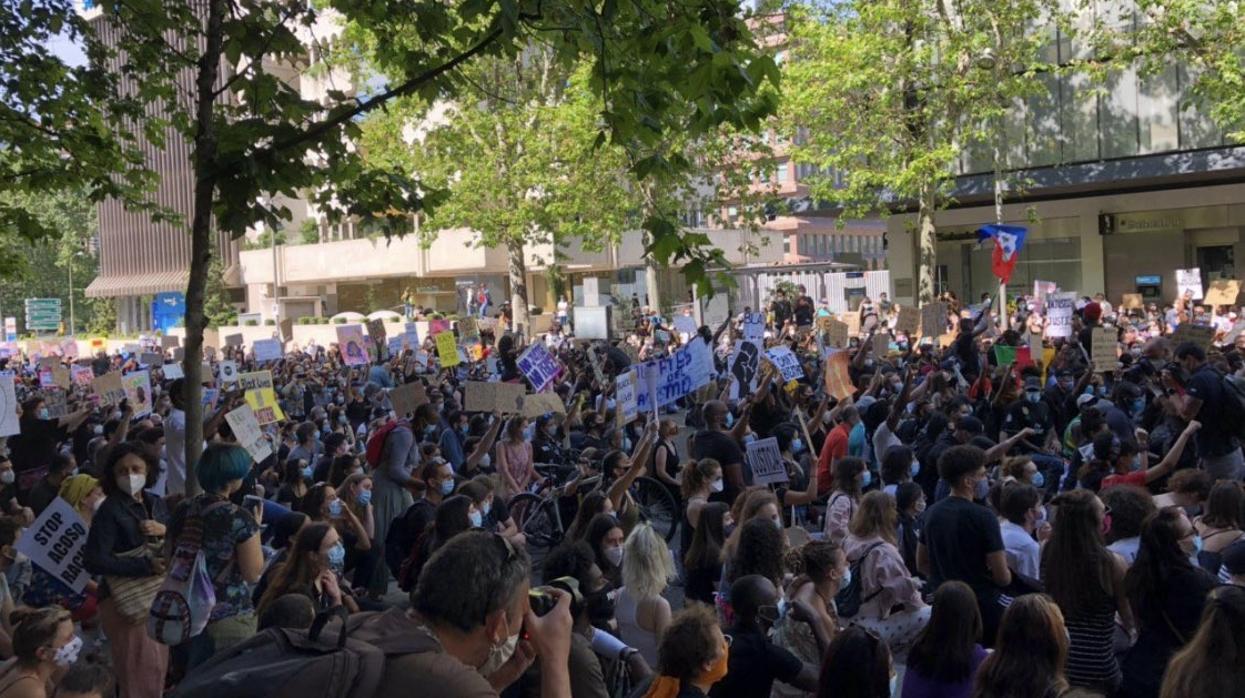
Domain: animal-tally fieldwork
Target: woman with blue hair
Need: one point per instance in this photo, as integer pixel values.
(230, 545)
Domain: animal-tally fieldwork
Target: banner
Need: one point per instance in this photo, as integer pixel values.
(1059, 309)
(539, 367)
(376, 330)
(410, 336)
(786, 362)
(765, 461)
(350, 343)
(754, 327)
(268, 350)
(69, 348)
(55, 542)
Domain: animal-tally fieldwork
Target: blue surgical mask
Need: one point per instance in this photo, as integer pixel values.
(866, 479)
(1033, 396)
(308, 472)
(1197, 544)
(447, 487)
(982, 489)
(730, 420)
(337, 555)
(914, 468)
(1039, 480)
(477, 519)
(626, 444)
(797, 446)
(1139, 406)
(1136, 463)
(846, 580)
(364, 498)
(335, 507)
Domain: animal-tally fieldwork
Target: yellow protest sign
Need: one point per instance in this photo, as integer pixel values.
(447, 349)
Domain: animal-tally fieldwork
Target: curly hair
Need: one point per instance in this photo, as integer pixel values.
(760, 551)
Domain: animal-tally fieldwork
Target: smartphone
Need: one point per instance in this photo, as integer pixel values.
(253, 502)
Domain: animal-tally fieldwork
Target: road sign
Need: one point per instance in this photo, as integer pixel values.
(10, 329)
(43, 314)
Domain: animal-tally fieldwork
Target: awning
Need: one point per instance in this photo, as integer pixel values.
(138, 284)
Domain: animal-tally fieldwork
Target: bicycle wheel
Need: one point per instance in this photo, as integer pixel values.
(657, 506)
(535, 520)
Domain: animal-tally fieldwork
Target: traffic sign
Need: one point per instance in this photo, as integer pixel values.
(43, 314)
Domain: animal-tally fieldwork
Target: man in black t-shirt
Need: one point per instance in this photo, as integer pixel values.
(803, 309)
(1029, 412)
(1218, 449)
(720, 443)
(961, 540)
(755, 662)
(781, 308)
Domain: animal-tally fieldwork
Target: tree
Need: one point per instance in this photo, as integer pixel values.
(217, 308)
(202, 63)
(889, 92)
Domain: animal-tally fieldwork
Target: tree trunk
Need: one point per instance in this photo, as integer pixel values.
(652, 287)
(200, 238)
(518, 286)
(926, 250)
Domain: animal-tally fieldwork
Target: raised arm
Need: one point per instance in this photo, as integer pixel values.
(1173, 454)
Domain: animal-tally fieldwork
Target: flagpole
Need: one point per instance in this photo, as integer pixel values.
(998, 219)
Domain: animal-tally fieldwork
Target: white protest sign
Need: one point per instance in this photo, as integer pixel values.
(228, 372)
(539, 366)
(766, 462)
(787, 362)
(55, 542)
(754, 327)
(1059, 308)
(625, 395)
(702, 362)
(9, 423)
(410, 336)
(1189, 281)
(173, 371)
(245, 426)
(268, 350)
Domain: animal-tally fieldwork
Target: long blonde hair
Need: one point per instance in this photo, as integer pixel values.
(877, 515)
(647, 566)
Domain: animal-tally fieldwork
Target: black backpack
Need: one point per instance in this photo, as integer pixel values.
(1232, 416)
(404, 532)
(338, 657)
(848, 601)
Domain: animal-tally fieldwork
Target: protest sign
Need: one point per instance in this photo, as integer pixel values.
(744, 368)
(82, 375)
(57, 404)
(786, 362)
(246, 430)
(179, 354)
(838, 335)
(853, 324)
(685, 325)
(260, 396)
(539, 367)
(407, 398)
(376, 330)
(1059, 308)
(1104, 346)
(1189, 282)
(268, 350)
(766, 462)
(410, 336)
(394, 345)
(625, 396)
(754, 327)
(701, 368)
(45, 377)
(933, 319)
(69, 348)
(109, 388)
(468, 330)
(350, 343)
(909, 320)
(170, 342)
(1041, 290)
(9, 422)
(447, 349)
(1201, 335)
(540, 404)
(130, 349)
(487, 397)
(674, 378)
(1132, 301)
(138, 391)
(1223, 292)
(838, 379)
(150, 358)
(233, 340)
(174, 371)
(56, 542)
(228, 372)
(60, 377)
(881, 345)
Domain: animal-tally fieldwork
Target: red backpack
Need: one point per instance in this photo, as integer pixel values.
(376, 442)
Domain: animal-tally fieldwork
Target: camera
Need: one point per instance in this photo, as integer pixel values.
(542, 601)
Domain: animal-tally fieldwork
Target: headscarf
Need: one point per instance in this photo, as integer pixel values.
(75, 489)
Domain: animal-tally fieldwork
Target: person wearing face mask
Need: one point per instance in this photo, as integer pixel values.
(230, 544)
(720, 441)
(353, 521)
(436, 480)
(961, 539)
(1132, 467)
(309, 570)
(910, 502)
(755, 662)
(494, 514)
(83, 493)
(514, 459)
(851, 476)
(701, 480)
(124, 546)
(44, 647)
(34, 448)
(820, 570)
(1167, 592)
(693, 656)
(1202, 398)
(1029, 411)
(835, 446)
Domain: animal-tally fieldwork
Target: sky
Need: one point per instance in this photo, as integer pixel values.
(67, 50)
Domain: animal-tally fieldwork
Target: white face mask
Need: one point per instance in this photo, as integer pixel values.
(717, 485)
(131, 484)
(614, 555)
(499, 655)
(7, 477)
(68, 654)
(486, 460)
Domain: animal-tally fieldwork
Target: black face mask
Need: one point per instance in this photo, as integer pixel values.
(600, 608)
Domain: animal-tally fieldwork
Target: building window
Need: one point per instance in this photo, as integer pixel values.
(787, 243)
(780, 172)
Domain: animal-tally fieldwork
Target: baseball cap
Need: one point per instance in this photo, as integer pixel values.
(1033, 383)
(1084, 400)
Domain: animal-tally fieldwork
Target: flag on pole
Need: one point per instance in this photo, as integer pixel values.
(1008, 239)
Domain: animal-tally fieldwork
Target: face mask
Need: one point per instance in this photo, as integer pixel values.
(499, 655)
(717, 485)
(364, 498)
(68, 654)
(846, 580)
(131, 484)
(614, 554)
(1139, 406)
(1065, 386)
(43, 413)
(335, 508)
(777, 523)
(98, 429)
(341, 419)
(730, 420)
(464, 430)
(1197, 545)
(894, 682)
(1102, 391)
(7, 477)
(1135, 464)
(914, 468)
(866, 478)
(477, 519)
(1033, 397)
(529, 432)
(447, 487)
(486, 460)
(337, 555)
(1039, 480)
(626, 444)
(308, 472)
(488, 507)
(797, 446)
(982, 489)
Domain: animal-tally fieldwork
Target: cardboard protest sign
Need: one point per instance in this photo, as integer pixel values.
(82, 375)
(56, 542)
(765, 461)
(909, 320)
(540, 404)
(246, 430)
(625, 396)
(838, 334)
(1189, 282)
(170, 342)
(1132, 301)
(447, 349)
(468, 330)
(786, 362)
(57, 404)
(754, 327)
(9, 422)
(287, 329)
(268, 350)
(376, 330)
(933, 319)
(228, 372)
(109, 388)
(179, 354)
(45, 377)
(539, 367)
(1059, 308)
(881, 345)
(150, 358)
(260, 396)
(438, 326)
(350, 343)
(406, 398)
(1201, 335)
(138, 391)
(1223, 292)
(745, 365)
(174, 371)
(838, 379)
(487, 397)
(853, 324)
(60, 377)
(233, 340)
(1104, 349)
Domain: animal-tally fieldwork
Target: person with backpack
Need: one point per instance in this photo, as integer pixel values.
(1206, 397)
(229, 541)
(393, 453)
